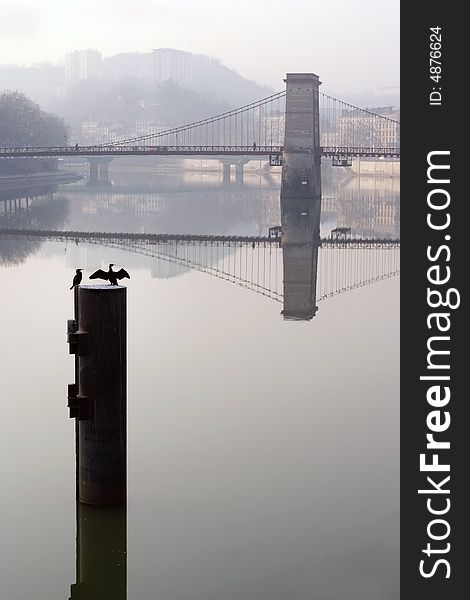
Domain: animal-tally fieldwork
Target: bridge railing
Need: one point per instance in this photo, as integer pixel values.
(181, 150)
(364, 151)
(103, 150)
(164, 238)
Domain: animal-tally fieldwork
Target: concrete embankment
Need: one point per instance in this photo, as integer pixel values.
(24, 182)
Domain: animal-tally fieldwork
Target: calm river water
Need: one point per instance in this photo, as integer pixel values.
(263, 458)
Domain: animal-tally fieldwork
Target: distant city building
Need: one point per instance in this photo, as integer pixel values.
(142, 128)
(93, 132)
(370, 206)
(389, 131)
(169, 63)
(379, 217)
(60, 91)
(329, 138)
(275, 126)
(89, 130)
(82, 64)
(368, 131)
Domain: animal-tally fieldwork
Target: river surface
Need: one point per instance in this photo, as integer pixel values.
(263, 452)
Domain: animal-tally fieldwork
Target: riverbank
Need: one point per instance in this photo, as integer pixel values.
(22, 182)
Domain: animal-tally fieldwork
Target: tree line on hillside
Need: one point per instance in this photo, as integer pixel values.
(24, 123)
(130, 100)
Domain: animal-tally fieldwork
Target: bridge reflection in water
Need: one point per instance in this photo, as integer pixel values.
(298, 268)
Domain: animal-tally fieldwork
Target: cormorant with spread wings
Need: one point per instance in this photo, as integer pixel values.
(110, 275)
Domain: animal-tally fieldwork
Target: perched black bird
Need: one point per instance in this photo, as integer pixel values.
(77, 278)
(110, 275)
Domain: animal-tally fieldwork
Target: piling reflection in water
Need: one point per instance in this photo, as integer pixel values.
(300, 244)
(101, 553)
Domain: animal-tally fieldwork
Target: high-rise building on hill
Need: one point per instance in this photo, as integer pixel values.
(82, 64)
(169, 63)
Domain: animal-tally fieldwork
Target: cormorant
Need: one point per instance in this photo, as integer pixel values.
(110, 275)
(77, 278)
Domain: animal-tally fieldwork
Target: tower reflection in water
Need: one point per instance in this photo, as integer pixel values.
(101, 559)
(300, 219)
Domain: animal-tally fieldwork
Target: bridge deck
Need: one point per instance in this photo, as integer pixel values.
(360, 151)
(163, 238)
(259, 151)
(214, 151)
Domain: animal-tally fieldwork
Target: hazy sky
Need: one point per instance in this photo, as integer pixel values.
(352, 44)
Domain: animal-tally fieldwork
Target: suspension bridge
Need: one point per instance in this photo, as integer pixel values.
(296, 267)
(296, 274)
(257, 130)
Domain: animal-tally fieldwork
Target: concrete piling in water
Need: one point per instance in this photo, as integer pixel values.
(104, 171)
(98, 398)
(226, 170)
(99, 170)
(239, 172)
(94, 162)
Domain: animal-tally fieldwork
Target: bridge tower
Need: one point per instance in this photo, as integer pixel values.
(301, 195)
(301, 175)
